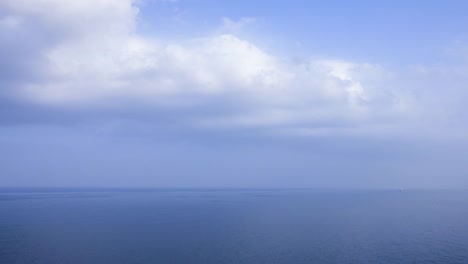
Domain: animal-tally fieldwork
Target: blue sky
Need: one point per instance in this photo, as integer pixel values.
(334, 94)
(384, 31)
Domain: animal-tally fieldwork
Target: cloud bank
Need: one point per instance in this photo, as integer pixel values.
(89, 55)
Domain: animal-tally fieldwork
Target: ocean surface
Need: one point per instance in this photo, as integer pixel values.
(232, 226)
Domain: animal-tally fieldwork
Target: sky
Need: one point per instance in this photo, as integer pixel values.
(248, 94)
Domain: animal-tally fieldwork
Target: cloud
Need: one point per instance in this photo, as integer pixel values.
(10, 22)
(233, 26)
(88, 54)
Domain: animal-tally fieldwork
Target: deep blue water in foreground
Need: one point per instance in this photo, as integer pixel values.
(233, 226)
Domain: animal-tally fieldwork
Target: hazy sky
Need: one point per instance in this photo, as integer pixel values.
(204, 93)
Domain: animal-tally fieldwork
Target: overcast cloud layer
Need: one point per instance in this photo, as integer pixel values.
(85, 66)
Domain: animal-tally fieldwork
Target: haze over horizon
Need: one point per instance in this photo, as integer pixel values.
(203, 93)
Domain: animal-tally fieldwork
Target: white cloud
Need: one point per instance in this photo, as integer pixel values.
(233, 26)
(98, 58)
(78, 18)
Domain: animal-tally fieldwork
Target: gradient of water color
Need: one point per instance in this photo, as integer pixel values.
(233, 226)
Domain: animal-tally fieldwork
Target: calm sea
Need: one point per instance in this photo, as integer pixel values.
(232, 226)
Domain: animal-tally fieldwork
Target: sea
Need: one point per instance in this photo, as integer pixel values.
(221, 226)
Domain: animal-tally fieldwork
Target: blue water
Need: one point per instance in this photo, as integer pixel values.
(233, 226)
